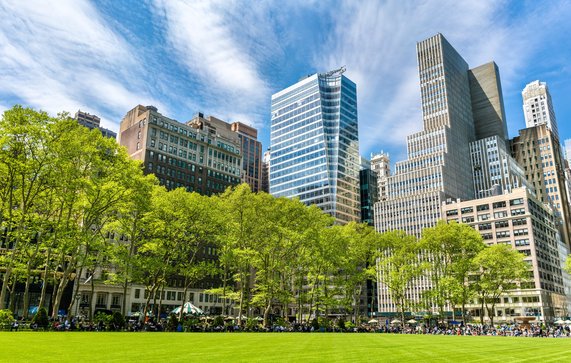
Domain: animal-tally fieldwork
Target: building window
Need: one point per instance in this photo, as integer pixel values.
(499, 204)
(482, 207)
(137, 293)
(518, 201)
(101, 298)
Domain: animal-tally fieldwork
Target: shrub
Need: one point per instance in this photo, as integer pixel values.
(341, 323)
(6, 317)
(315, 324)
(103, 320)
(117, 321)
(41, 318)
(251, 324)
(172, 323)
(218, 321)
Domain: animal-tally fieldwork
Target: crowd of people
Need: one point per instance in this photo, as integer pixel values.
(206, 325)
(510, 330)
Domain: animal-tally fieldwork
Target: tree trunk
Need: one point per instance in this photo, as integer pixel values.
(482, 311)
(59, 294)
(243, 292)
(148, 301)
(74, 296)
(13, 295)
(267, 314)
(8, 272)
(160, 302)
(183, 298)
(45, 281)
(27, 289)
(225, 276)
(5, 283)
(62, 285)
(124, 302)
(54, 290)
(92, 301)
(491, 313)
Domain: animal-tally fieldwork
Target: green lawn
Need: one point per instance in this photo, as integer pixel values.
(275, 347)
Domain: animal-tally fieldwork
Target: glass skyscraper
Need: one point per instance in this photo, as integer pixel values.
(315, 144)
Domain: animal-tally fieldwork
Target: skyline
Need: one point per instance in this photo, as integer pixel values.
(225, 59)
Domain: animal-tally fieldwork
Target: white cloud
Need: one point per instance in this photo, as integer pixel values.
(377, 44)
(63, 56)
(221, 52)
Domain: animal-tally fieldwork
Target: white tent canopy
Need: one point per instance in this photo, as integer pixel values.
(188, 308)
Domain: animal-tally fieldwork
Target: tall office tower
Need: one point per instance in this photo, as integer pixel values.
(251, 155)
(494, 170)
(266, 172)
(519, 220)
(487, 102)
(537, 149)
(93, 122)
(537, 106)
(439, 155)
(381, 165)
(202, 155)
(315, 144)
(369, 192)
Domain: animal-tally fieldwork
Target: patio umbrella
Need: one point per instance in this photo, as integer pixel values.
(373, 321)
(395, 321)
(411, 321)
(188, 308)
(567, 321)
(559, 322)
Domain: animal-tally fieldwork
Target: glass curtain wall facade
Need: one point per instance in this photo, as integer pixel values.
(314, 144)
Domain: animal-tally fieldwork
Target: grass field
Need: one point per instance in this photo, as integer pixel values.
(275, 347)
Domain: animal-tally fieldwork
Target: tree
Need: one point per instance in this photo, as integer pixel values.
(500, 268)
(130, 225)
(185, 224)
(398, 265)
(360, 246)
(237, 211)
(94, 177)
(451, 248)
(25, 159)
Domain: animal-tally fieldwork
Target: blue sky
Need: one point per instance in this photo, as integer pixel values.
(225, 58)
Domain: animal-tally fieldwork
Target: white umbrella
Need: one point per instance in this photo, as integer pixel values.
(567, 321)
(411, 321)
(188, 308)
(373, 321)
(559, 321)
(395, 321)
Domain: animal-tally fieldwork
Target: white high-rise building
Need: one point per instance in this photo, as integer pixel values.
(567, 145)
(537, 106)
(381, 165)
